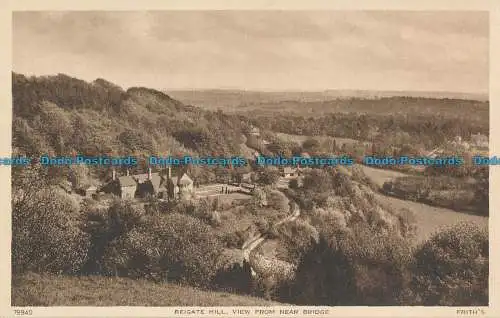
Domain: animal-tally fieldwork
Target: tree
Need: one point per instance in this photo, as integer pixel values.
(356, 267)
(259, 197)
(171, 247)
(46, 234)
(451, 268)
(268, 176)
(278, 201)
(281, 148)
(311, 145)
(297, 237)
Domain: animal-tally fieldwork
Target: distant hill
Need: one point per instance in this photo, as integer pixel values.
(63, 115)
(235, 99)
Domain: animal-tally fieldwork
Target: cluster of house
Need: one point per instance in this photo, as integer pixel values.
(477, 142)
(160, 185)
(255, 131)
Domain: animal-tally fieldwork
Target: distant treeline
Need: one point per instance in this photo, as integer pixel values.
(61, 115)
(426, 129)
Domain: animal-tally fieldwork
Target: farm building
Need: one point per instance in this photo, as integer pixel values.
(151, 184)
(88, 191)
(180, 188)
(148, 184)
(459, 143)
(288, 172)
(127, 187)
(479, 141)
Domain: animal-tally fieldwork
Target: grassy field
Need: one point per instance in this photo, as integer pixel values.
(50, 290)
(300, 138)
(430, 219)
(379, 176)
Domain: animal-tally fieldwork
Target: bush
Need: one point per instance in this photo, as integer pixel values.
(175, 247)
(123, 216)
(356, 267)
(46, 234)
(297, 237)
(451, 268)
(107, 225)
(233, 239)
(278, 201)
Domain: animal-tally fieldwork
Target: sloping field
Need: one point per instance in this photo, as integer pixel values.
(51, 290)
(379, 176)
(300, 138)
(429, 219)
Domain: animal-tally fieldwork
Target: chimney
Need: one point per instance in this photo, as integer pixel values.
(114, 174)
(169, 172)
(149, 173)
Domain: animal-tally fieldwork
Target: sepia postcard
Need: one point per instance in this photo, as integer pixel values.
(260, 159)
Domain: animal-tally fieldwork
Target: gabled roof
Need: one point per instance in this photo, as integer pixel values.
(143, 177)
(185, 179)
(155, 181)
(126, 181)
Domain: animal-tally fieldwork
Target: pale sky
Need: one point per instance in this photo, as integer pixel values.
(259, 50)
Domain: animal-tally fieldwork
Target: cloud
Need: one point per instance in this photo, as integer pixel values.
(309, 50)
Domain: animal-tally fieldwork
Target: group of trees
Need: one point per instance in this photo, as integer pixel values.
(349, 248)
(61, 115)
(353, 251)
(53, 233)
(360, 267)
(46, 232)
(443, 122)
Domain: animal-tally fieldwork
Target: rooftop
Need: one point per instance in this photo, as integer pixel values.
(126, 181)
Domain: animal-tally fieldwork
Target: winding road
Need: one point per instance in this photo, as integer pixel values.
(256, 240)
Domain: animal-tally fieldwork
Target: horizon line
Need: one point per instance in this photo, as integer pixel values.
(293, 90)
(257, 90)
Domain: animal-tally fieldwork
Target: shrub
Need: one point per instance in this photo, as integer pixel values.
(174, 246)
(46, 234)
(451, 268)
(233, 239)
(278, 201)
(356, 267)
(235, 278)
(107, 225)
(297, 237)
(123, 216)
